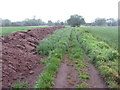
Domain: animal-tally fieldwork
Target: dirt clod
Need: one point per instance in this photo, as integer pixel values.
(31, 72)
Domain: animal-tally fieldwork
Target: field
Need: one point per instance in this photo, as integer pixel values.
(107, 34)
(61, 57)
(8, 30)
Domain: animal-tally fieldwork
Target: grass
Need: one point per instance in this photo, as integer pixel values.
(82, 85)
(7, 30)
(20, 85)
(83, 76)
(107, 34)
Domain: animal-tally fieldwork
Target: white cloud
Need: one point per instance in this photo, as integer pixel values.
(54, 10)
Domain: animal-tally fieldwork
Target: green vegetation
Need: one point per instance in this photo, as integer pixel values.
(104, 57)
(8, 30)
(20, 85)
(76, 42)
(77, 56)
(106, 34)
(84, 76)
(82, 85)
(75, 20)
(55, 46)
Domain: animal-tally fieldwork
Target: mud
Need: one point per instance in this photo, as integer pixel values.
(95, 81)
(20, 61)
(67, 76)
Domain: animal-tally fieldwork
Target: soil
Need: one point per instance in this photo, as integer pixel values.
(95, 81)
(67, 76)
(20, 61)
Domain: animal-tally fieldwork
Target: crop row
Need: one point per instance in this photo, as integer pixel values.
(55, 46)
(78, 58)
(102, 55)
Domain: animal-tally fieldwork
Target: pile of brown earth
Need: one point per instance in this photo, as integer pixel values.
(19, 57)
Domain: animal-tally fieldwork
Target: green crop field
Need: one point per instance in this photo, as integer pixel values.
(107, 34)
(84, 54)
(75, 42)
(8, 30)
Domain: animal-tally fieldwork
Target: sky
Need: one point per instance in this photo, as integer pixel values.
(18, 10)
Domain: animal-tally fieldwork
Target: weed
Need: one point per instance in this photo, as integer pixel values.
(20, 85)
(82, 85)
(82, 76)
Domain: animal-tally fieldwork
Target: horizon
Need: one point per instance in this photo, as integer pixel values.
(59, 10)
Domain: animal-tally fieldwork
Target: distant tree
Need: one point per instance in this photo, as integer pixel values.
(75, 20)
(65, 23)
(112, 22)
(61, 23)
(33, 22)
(100, 22)
(50, 23)
(6, 22)
(57, 23)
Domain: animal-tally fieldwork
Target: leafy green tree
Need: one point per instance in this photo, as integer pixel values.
(75, 20)
(61, 23)
(100, 22)
(50, 23)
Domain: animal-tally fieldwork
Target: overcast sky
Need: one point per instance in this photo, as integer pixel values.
(17, 10)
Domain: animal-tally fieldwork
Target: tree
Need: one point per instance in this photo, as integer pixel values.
(100, 22)
(50, 23)
(112, 22)
(75, 20)
(6, 22)
(33, 22)
(57, 23)
(61, 23)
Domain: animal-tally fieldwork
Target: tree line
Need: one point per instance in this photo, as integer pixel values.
(30, 22)
(74, 20)
(104, 22)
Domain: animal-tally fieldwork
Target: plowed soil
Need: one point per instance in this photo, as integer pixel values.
(20, 61)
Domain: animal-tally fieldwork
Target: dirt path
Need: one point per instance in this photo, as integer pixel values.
(95, 81)
(67, 76)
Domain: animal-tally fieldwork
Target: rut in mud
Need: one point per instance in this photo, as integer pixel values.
(67, 76)
(76, 70)
(95, 81)
(20, 61)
